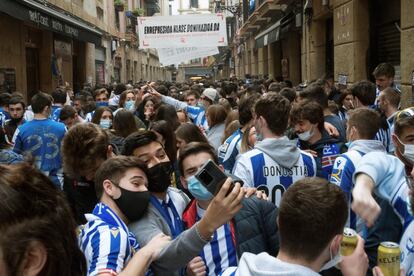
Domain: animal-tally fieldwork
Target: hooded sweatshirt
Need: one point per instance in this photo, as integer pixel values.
(327, 149)
(273, 165)
(265, 265)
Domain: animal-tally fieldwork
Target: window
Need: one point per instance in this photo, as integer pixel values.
(194, 4)
(117, 19)
(100, 13)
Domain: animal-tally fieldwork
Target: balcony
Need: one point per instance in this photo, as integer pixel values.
(265, 13)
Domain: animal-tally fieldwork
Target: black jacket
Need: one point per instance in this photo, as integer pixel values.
(255, 227)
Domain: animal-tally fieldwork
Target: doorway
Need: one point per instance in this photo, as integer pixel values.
(32, 72)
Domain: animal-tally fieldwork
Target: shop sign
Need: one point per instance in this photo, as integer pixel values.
(51, 23)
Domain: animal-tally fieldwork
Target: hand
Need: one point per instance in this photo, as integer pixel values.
(355, 264)
(222, 208)
(332, 131)
(196, 267)
(363, 204)
(156, 244)
(249, 191)
(312, 152)
(376, 271)
(202, 129)
(155, 93)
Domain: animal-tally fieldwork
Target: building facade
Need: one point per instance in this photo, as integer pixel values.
(74, 42)
(303, 40)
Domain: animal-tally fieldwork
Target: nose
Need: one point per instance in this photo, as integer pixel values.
(412, 173)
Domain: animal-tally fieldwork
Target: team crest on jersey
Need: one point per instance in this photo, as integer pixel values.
(337, 170)
(224, 147)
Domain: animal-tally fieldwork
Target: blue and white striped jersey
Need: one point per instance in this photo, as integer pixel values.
(384, 135)
(196, 113)
(220, 252)
(106, 241)
(389, 176)
(259, 170)
(88, 117)
(229, 150)
(2, 119)
(55, 116)
(342, 172)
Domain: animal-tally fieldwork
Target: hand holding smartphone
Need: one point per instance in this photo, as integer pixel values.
(211, 176)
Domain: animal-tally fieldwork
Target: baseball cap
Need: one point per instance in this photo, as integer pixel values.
(211, 94)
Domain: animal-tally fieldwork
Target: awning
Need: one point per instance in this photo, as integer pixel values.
(274, 32)
(45, 17)
(269, 35)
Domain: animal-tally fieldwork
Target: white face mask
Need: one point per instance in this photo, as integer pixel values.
(408, 151)
(305, 136)
(333, 260)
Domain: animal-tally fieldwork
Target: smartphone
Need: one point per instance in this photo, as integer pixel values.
(212, 177)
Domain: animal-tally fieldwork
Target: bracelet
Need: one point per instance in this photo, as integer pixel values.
(199, 235)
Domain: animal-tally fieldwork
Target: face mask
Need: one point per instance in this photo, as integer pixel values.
(15, 121)
(105, 123)
(160, 177)
(130, 105)
(408, 151)
(332, 262)
(197, 189)
(99, 104)
(259, 137)
(133, 204)
(200, 104)
(305, 136)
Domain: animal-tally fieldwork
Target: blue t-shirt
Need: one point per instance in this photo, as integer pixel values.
(42, 139)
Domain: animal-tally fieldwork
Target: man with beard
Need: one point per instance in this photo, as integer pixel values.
(167, 204)
(16, 110)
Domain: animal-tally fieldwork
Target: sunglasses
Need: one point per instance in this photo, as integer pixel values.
(405, 113)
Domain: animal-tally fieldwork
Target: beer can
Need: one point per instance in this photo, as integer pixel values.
(349, 241)
(389, 258)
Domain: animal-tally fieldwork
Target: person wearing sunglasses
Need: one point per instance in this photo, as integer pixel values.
(391, 178)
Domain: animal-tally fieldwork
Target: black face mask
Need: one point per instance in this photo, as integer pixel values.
(16, 121)
(133, 204)
(160, 177)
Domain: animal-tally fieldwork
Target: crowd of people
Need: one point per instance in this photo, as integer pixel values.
(103, 181)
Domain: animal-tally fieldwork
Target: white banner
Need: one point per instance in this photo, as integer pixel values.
(195, 30)
(170, 56)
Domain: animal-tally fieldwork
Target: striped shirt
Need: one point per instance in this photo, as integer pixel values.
(384, 135)
(259, 170)
(229, 150)
(106, 241)
(341, 176)
(220, 252)
(196, 113)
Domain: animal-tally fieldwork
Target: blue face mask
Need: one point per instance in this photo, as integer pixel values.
(100, 104)
(105, 123)
(197, 189)
(130, 105)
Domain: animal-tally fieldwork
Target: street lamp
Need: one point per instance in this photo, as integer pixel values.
(235, 9)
